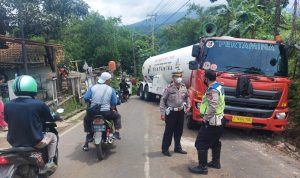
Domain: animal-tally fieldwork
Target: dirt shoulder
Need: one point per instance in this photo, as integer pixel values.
(287, 142)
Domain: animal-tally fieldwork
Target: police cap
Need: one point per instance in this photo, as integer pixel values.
(210, 74)
(177, 72)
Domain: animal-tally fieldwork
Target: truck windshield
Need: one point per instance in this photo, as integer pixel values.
(245, 57)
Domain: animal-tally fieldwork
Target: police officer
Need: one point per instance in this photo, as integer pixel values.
(212, 107)
(174, 102)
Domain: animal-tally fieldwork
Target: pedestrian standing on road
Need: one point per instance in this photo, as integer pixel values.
(212, 108)
(173, 104)
(3, 124)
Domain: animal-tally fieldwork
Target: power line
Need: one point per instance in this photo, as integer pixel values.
(172, 7)
(153, 18)
(169, 9)
(157, 6)
(164, 6)
(172, 15)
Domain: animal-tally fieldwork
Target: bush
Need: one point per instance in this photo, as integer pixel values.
(134, 90)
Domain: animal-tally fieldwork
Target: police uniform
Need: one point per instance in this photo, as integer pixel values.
(173, 104)
(212, 108)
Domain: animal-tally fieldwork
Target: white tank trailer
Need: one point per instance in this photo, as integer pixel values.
(157, 71)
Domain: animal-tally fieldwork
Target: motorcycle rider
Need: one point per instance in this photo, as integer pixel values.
(124, 87)
(25, 117)
(104, 95)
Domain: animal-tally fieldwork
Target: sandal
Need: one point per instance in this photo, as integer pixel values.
(85, 148)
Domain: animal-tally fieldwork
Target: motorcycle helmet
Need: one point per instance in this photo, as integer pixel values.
(25, 85)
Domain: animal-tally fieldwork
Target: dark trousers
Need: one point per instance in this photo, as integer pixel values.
(209, 137)
(174, 127)
(109, 115)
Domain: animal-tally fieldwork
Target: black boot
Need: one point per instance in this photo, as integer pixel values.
(216, 152)
(202, 167)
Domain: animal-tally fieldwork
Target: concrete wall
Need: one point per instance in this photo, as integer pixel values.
(40, 74)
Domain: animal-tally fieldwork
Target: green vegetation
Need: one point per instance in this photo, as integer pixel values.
(72, 105)
(115, 83)
(134, 90)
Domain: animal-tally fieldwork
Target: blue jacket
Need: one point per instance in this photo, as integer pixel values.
(25, 118)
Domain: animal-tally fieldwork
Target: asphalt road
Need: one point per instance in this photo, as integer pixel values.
(138, 154)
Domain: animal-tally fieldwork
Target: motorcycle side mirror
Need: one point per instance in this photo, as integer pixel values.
(60, 110)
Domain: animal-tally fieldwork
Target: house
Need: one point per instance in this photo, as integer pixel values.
(42, 60)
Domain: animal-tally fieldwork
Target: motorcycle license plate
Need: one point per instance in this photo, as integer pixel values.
(99, 128)
(241, 119)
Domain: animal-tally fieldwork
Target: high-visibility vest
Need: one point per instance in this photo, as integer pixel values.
(221, 104)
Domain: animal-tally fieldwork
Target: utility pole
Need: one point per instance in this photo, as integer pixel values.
(292, 39)
(24, 51)
(277, 17)
(153, 19)
(133, 54)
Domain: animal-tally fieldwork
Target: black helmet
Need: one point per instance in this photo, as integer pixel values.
(211, 75)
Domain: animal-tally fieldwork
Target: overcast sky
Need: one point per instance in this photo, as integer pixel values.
(133, 11)
(136, 10)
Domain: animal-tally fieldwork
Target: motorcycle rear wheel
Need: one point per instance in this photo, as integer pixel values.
(100, 152)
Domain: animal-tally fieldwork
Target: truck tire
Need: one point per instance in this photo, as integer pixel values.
(147, 95)
(190, 123)
(141, 92)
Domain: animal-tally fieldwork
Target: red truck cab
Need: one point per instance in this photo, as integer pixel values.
(264, 63)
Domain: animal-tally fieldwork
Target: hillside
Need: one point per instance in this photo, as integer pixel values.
(161, 21)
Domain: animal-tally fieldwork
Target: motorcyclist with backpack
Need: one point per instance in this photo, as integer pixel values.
(25, 117)
(105, 96)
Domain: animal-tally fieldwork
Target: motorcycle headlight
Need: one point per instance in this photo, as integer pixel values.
(281, 115)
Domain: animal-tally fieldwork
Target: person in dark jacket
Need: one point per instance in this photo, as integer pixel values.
(124, 87)
(25, 117)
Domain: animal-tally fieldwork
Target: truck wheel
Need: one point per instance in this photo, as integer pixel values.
(190, 123)
(141, 92)
(147, 95)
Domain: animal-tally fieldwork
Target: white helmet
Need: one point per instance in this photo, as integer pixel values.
(104, 77)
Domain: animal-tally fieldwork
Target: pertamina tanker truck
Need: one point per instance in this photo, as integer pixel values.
(252, 72)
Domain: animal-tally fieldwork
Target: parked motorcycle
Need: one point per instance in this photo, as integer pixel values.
(26, 162)
(103, 134)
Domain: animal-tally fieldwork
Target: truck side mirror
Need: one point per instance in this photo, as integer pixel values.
(193, 65)
(196, 51)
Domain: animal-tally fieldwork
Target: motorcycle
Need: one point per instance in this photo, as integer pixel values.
(103, 134)
(124, 96)
(26, 162)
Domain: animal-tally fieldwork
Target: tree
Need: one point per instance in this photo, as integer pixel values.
(42, 18)
(236, 18)
(3, 23)
(234, 13)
